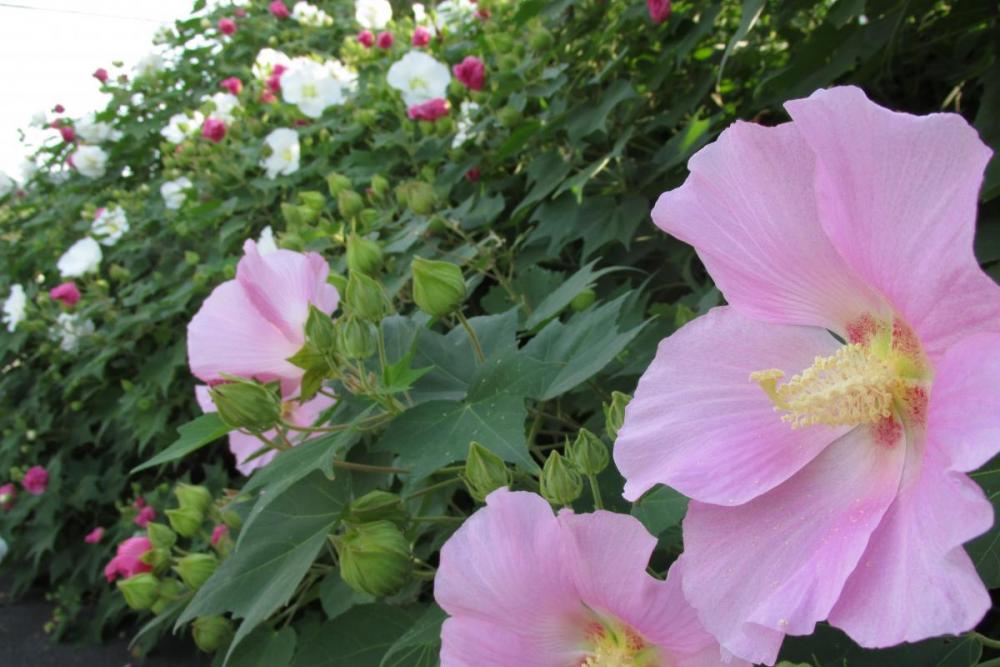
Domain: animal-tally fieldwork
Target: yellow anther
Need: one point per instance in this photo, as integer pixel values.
(612, 644)
(851, 387)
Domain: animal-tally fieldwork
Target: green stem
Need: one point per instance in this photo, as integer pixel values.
(596, 491)
(432, 487)
(995, 662)
(473, 338)
(985, 641)
(381, 350)
(440, 519)
(364, 467)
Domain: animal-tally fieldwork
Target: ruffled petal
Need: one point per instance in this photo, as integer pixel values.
(749, 210)
(915, 580)
(897, 196)
(697, 423)
(228, 335)
(243, 446)
(777, 564)
(964, 411)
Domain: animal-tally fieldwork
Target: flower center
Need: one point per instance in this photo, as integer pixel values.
(288, 154)
(418, 83)
(309, 90)
(614, 644)
(879, 375)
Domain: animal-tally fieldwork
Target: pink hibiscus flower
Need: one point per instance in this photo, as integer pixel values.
(145, 515)
(244, 446)
(430, 110)
(525, 587)
(94, 536)
(250, 326)
(828, 473)
(127, 561)
(36, 480)
(68, 293)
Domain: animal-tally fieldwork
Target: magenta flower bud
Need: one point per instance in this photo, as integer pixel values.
(145, 515)
(430, 110)
(367, 38)
(471, 72)
(213, 129)
(66, 292)
(8, 492)
(274, 81)
(232, 84)
(227, 26)
(94, 536)
(67, 133)
(36, 480)
(128, 559)
(101, 74)
(279, 9)
(659, 10)
(218, 533)
(385, 40)
(59, 108)
(421, 36)
(473, 175)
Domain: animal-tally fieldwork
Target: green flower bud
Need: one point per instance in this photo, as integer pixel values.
(211, 632)
(583, 300)
(374, 558)
(119, 273)
(356, 338)
(195, 569)
(438, 287)
(588, 453)
(190, 495)
(509, 116)
(365, 298)
(158, 559)
(561, 483)
(614, 413)
(307, 214)
(363, 255)
(349, 203)
(380, 185)
(185, 520)
(542, 40)
(366, 117)
(170, 590)
(484, 473)
(314, 200)
(232, 519)
(160, 535)
(368, 217)
(191, 258)
(377, 506)
(418, 195)
(140, 590)
(337, 183)
(509, 63)
(247, 404)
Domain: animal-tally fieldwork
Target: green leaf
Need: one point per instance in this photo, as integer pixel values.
(749, 14)
(274, 552)
(560, 298)
(265, 647)
(400, 376)
(985, 549)
(660, 509)
(359, 638)
(420, 645)
(590, 117)
(192, 436)
(337, 597)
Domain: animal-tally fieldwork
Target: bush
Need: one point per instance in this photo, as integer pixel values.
(498, 279)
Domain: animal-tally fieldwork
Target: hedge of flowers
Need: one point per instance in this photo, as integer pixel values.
(342, 336)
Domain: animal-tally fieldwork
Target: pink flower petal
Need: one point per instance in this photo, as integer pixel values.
(897, 196)
(964, 411)
(228, 335)
(472, 642)
(777, 564)
(243, 446)
(749, 210)
(915, 580)
(697, 423)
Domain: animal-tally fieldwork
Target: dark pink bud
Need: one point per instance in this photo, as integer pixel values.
(59, 108)
(473, 175)
(213, 129)
(227, 26)
(8, 492)
(279, 9)
(385, 40)
(659, 10)
(128, 559)
(274, 81)
(421, 36)
(366, 38)
(101, 74)
(36, 480)
(67, 133)
(471, 72)
(94, 536)
(145, 515)
(300, 122)
(219, 532)
(267, 97)
(430, 110)
(233, 85)
(66, 293)
(139, 503)
(483, 14)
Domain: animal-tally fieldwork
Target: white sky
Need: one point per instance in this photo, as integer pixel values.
(50, 48)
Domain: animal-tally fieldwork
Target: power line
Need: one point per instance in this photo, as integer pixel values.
(143, 19)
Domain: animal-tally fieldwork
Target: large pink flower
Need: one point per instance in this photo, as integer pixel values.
(525, 587)
(244, 446)
(250, 326)
(128, 559)
(827, 473)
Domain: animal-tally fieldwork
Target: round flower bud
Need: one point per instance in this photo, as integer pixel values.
(160, 536)
(195, 569)
(418, 195)
(247, 404)
(170, 590)
(374, 558)
(190, 495)
(588, 453)
(185, 520)
(438, 287)
(363, 255)
(377, 506)
(561, 483)
(314, 200)
(485, 472)
(614, 413)
(509, 116)
(583, 300)
(140, 590)
(337, 183)
(380, 185)
(365, 298)
(542, 40)
(349, 203)
(355, 337)
(211, 632)
(290, 212)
